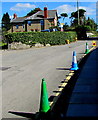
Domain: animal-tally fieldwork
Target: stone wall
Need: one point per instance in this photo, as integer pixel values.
(18, 46)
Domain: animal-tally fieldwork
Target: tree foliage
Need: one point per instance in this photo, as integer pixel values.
(65, 27)
(64, 15)
(81, 13)
(81, 32)
(91, 23)
(33, 11)
(6, 22)
(74, 17)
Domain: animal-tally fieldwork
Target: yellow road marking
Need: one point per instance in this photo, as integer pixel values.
(92, 48)
(60, 89)
(51, 103)
(72, 71)
(67, 78)
(57, 94)
(71, 74)
(64, 84)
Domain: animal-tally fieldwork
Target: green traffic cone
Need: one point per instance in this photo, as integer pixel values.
(87, 49)
(44, 103)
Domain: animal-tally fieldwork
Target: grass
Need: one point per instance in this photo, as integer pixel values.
(2, 44)
(94, 32)
(94, 36)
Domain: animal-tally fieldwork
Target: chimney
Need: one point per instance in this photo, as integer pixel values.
(45, 12)
(14, 16)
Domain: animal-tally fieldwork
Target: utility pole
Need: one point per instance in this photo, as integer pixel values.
(78, 12)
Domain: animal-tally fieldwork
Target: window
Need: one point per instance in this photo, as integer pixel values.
(17, 26)
(42, 22)
(29, 23)
(22, 25)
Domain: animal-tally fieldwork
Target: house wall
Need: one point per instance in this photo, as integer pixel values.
(55, 21)
(34, 27)
(50, 23)
(20, 28)
(47, 24)
(9, 31)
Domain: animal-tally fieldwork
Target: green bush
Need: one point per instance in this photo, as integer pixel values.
(87, 28)
(52, 38)
(81, 32)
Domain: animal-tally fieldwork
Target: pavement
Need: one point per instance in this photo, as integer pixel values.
(84, 98)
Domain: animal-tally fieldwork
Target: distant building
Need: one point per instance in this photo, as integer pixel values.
(39, 21)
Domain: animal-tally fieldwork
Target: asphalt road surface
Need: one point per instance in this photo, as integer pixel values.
(23, 70)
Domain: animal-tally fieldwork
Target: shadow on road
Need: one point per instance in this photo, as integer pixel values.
(62, 68)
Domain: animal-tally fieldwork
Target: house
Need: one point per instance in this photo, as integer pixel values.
(39, 21)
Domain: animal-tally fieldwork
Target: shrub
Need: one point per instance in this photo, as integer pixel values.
(81, 32)
(52, 38)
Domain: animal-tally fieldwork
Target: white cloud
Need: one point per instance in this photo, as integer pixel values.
(65, 9)
(69, 9)
(89, 11)
(22, 6)
(11, 16)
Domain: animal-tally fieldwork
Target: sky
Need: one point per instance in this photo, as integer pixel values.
(22, 7)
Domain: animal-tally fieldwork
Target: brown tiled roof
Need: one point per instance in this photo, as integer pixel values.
(18, 19)
(38, 15)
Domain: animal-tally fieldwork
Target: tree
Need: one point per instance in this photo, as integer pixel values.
(72, 17)
(65, 27)
(75, 16)
(81, 32)
(33, 11)
(91, 23)
(64, 15)
(6, 22)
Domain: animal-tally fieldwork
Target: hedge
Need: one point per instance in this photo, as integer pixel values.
(52, 38)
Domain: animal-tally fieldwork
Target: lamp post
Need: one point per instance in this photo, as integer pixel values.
(78, 12)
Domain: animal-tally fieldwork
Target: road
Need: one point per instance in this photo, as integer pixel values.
(22, 71)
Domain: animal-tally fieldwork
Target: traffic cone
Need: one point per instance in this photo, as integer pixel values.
(74, 62)
(44, 103)
(87, 49)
